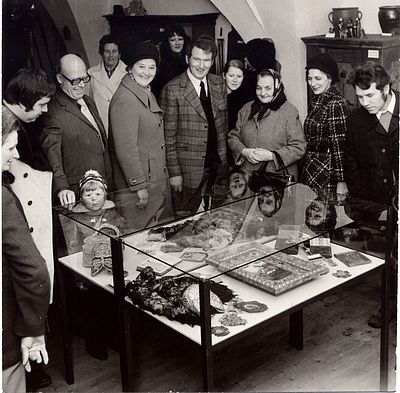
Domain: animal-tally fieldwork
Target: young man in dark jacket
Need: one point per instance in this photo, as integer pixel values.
(371, 154)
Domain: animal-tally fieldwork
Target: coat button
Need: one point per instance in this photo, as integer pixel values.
(162, 146)
(30, 229)
(205, 126)
(132, 181)
(25, 175)
(165, 169)
(204, 156)
(385, 180)
(29, 203)
(383, 150)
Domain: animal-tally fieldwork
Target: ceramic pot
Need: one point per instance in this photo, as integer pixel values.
(389, 18)
(345, 13)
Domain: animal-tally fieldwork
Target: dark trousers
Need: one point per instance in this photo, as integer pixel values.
(189, 200)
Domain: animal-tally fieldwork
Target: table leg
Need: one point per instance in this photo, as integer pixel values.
(66, 334)
(124, 326)
(296, 329)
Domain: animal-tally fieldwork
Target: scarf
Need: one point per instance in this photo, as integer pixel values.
(278, 98)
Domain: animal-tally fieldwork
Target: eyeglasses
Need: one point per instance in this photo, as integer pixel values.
(77, 81)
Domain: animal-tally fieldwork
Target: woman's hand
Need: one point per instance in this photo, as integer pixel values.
(143, 196)
(250, 155)
(342, 191)
(263, 154)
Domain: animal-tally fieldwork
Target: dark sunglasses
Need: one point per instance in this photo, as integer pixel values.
(77, 81)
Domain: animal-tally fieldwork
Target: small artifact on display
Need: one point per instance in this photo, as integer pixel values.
(251, 306)
(265, 269)
(176, 298)
(170, 247)
(220, 331)
(322, 246)
(352, 258)
(341, 274)
(194, 256)
(231, 318)
(97, 249)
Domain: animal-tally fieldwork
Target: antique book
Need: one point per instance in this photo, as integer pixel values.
(352, 258)
(322, 246)
(264, 268)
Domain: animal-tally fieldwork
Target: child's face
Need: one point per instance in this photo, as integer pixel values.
(93, 198)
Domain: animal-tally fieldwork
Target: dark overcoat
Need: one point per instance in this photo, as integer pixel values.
(25, 280)
(371, 155)
(72, 144)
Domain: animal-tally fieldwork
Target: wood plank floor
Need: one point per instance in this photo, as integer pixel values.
(341, 353)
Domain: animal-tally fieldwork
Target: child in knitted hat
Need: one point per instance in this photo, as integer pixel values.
(93, 210)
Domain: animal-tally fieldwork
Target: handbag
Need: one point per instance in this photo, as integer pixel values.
(277, 180)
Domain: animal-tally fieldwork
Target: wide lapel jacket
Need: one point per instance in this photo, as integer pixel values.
(71, 106)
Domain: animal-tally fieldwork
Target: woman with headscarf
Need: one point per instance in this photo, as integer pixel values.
(325, 130)
(266, 125)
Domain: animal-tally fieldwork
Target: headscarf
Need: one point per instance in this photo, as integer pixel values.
(278, 98)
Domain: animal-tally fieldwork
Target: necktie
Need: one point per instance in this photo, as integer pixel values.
(203, 95)
(86, 112)
(385, 119)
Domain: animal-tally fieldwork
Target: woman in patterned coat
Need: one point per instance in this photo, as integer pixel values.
(325, 130)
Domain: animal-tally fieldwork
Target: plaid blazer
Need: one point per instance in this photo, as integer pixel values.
(186, 126)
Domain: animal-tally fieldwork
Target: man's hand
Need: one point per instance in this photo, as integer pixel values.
(34, 349)
(66, 197)
(176, 183)
(143, 196)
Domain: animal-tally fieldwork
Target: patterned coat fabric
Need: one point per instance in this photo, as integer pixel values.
(279, 131)
(102, 88)
(371, 156)
(137, 149)
(72, 144)
(25, 280)
(186, 126)
(325, 132)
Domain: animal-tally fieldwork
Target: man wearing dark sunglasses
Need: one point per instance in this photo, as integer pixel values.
(73, 136)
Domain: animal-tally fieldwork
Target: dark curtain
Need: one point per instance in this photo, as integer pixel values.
(29, 38)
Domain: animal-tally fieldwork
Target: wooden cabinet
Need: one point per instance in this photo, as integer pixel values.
(131, 29)
(349, 53)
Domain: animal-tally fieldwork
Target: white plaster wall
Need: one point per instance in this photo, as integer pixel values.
(178, 7)
(92, 25)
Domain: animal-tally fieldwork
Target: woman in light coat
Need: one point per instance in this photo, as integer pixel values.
(106, 76)
(137, 145)
(266, 125)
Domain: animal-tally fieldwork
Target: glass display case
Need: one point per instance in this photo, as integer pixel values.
(219, 274)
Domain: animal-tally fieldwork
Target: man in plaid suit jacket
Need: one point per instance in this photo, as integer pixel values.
(196, 126)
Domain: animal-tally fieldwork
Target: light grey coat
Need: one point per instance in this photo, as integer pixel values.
(279, 131)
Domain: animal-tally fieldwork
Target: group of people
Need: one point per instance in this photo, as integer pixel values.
(171, 152)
